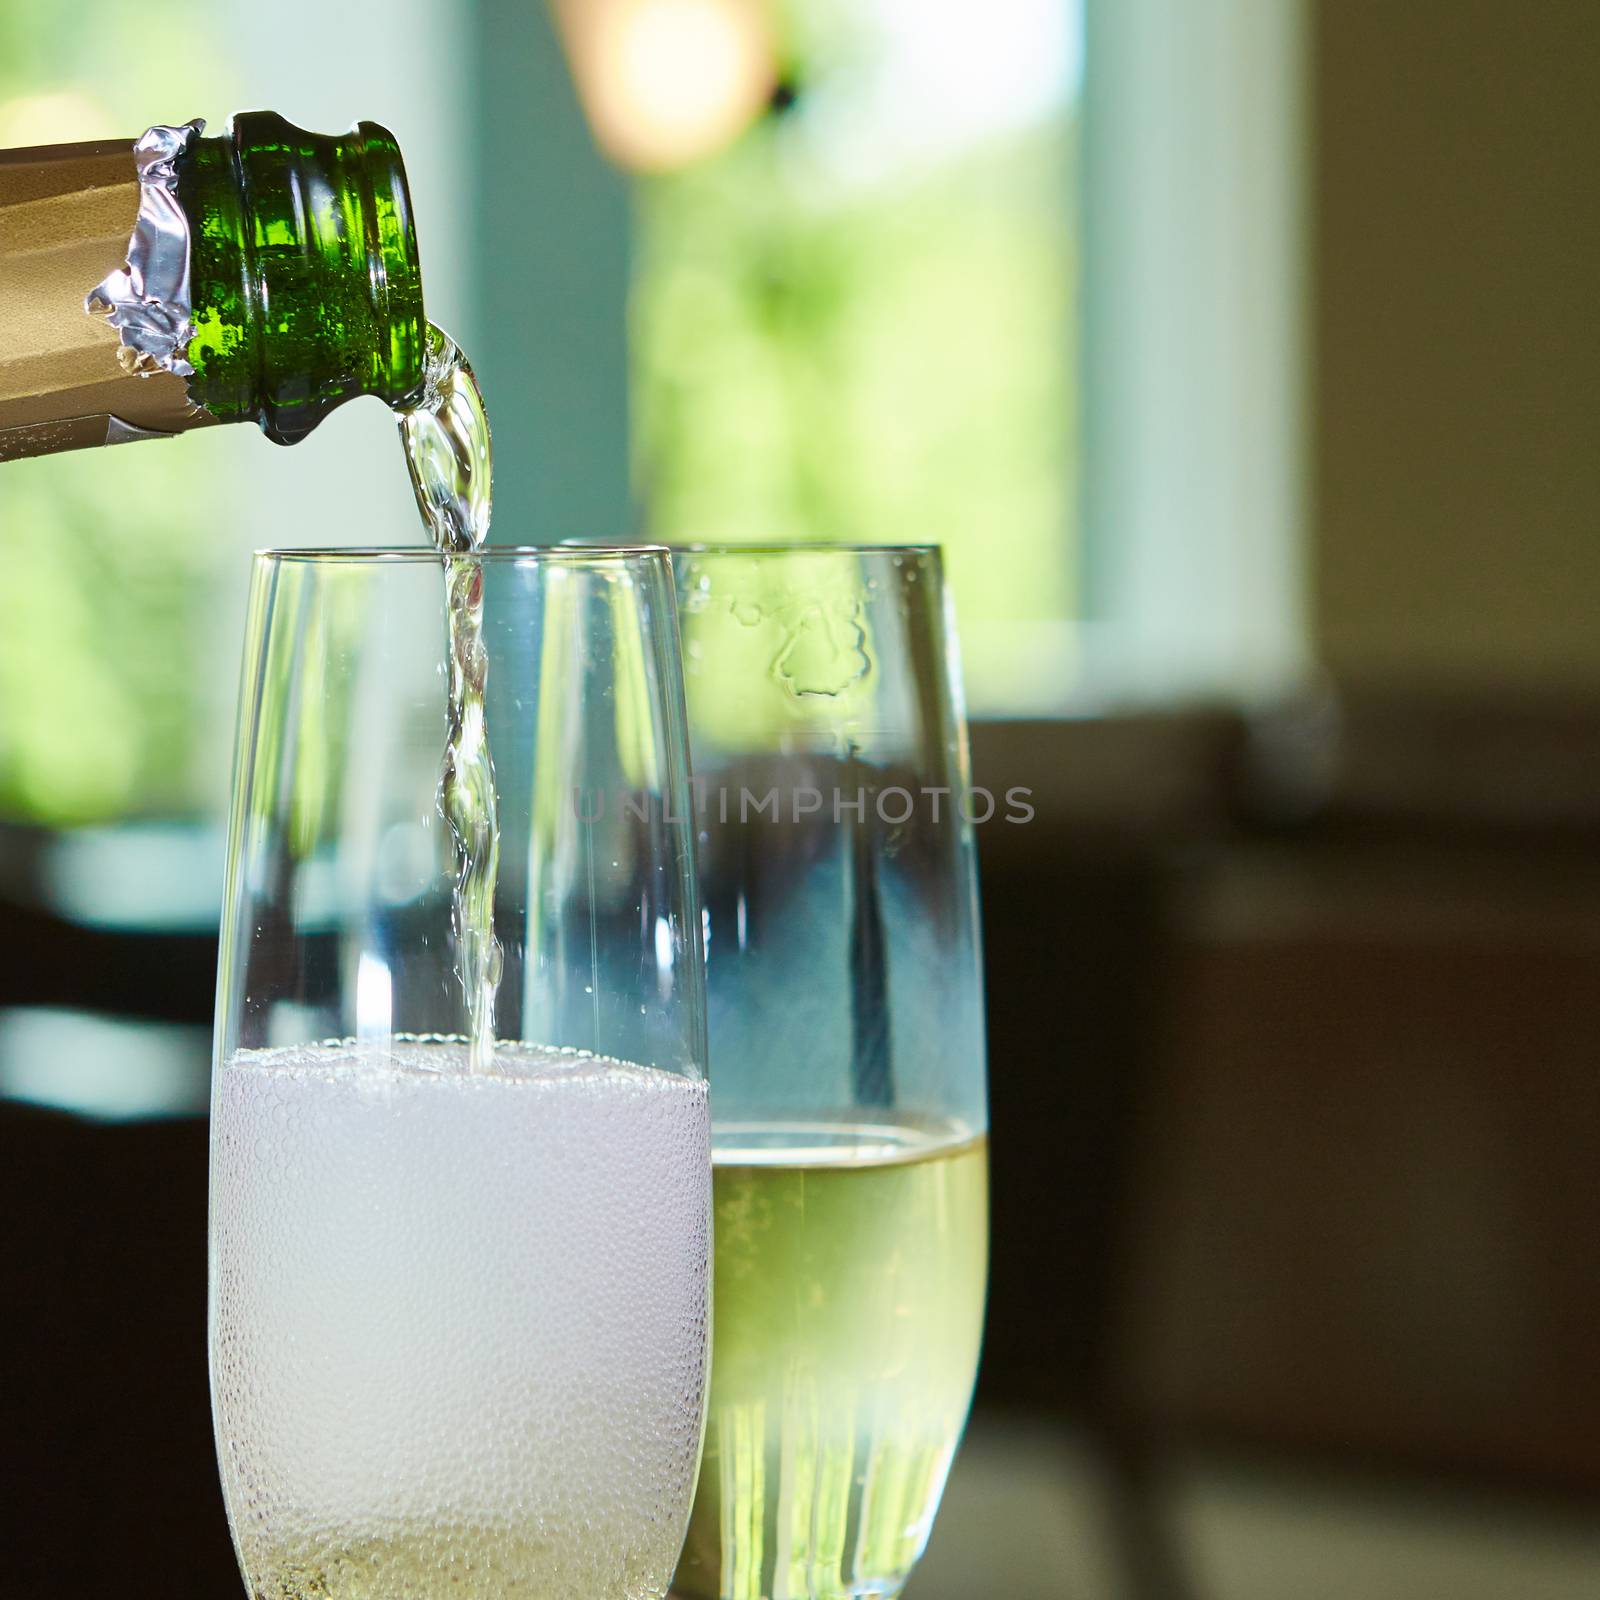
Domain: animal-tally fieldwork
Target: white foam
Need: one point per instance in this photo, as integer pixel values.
(463, 1309)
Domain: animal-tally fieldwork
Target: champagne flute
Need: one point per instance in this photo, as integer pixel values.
(458, 1297)
(849, 1151)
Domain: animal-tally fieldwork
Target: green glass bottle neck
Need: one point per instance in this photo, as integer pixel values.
(304, 281)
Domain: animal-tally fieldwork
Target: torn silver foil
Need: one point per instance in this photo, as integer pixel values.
(147, 301)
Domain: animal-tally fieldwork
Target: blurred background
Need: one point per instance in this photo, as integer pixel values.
(1243, 356)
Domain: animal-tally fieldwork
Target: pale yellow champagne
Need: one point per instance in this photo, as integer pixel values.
(849, 1284)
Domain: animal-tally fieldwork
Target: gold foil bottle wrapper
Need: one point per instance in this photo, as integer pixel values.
(69, 215)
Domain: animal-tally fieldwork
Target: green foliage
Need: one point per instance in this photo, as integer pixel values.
(108, 559)
(115, 57)
(890, 362)
(105, 579)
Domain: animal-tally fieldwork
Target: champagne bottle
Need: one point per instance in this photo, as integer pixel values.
(151, 287)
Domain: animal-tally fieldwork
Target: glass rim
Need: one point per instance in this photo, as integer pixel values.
(800, 547)
(379, 555)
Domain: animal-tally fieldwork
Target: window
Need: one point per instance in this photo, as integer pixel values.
(858, 321)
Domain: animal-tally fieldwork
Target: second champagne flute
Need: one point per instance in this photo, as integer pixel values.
(849, 1149)
(458, 1301)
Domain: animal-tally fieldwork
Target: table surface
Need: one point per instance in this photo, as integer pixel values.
(1026, 1516)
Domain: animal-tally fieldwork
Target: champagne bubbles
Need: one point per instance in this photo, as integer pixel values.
(458, 1320)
